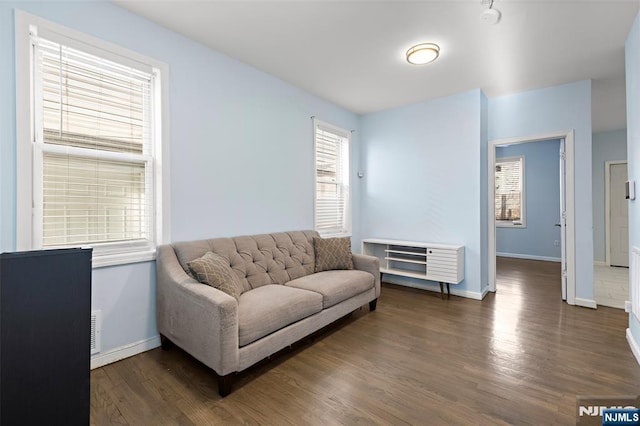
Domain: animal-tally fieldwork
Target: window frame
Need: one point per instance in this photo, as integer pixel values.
(319, 124)
(522, 223)
(28, 189)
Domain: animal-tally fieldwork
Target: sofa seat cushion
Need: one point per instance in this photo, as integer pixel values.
(335, 286)
(269, 308)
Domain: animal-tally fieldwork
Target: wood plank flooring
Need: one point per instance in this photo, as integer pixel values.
(520, 356)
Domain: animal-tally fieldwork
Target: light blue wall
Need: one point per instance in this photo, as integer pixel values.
(241, 150)
(607, 146)
(632, 55)
(542, 202)
(423, 176)
(7, 132)
(554, 109)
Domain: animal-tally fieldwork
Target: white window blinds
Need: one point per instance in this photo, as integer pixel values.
(509, 189)
(93, 162)
(332, 206)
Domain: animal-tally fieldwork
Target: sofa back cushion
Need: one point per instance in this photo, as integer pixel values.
(257, 260)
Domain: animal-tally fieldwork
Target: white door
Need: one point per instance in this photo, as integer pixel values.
(619, 216)
(563, 221)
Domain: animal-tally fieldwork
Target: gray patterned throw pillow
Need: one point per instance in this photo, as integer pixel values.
(332, 253)
(214, 270)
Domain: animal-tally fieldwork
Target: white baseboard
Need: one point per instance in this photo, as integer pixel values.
(529, 256)
(485, 291)
(635, 348)
(599, 263)
(124, 352)
(587, 303)
(433, 287)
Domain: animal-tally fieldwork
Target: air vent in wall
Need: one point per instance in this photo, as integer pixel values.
(96, 325)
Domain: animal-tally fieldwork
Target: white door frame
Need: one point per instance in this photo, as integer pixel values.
(607, 208)
(568, 136)
(563, 217)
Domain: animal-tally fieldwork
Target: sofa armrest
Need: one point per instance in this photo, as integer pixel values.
(200, 319)
(369, 264)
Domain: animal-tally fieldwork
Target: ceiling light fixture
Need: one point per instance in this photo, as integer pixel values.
(423, 53)
(490, 16)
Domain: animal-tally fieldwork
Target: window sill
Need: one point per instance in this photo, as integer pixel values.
(510, 225)
(342, 235)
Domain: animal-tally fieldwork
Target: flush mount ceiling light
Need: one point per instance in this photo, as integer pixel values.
(490, 16)
(423, 53)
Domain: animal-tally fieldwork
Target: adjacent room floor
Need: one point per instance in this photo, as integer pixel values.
(611, 285)
(520, 356)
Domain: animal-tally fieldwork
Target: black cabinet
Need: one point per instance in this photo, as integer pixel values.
(45, 326)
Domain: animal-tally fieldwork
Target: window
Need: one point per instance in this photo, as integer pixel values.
(509, 201)
(332, 201)
(94, 145)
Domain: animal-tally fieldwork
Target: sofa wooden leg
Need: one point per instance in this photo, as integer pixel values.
(165, 343)
(225, 383)
(372, 304)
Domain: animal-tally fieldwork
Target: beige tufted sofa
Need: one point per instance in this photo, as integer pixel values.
(283, 299)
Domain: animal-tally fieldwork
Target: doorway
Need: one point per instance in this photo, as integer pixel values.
(616, 214)
(567, 201)
(611, 279)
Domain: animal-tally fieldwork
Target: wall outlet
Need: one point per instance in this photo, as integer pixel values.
(556, 243)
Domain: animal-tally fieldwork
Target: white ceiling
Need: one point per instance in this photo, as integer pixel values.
(352, 53)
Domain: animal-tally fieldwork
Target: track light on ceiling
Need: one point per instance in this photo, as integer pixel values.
(423, 53)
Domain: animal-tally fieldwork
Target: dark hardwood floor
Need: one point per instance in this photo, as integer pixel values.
(520, 356)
